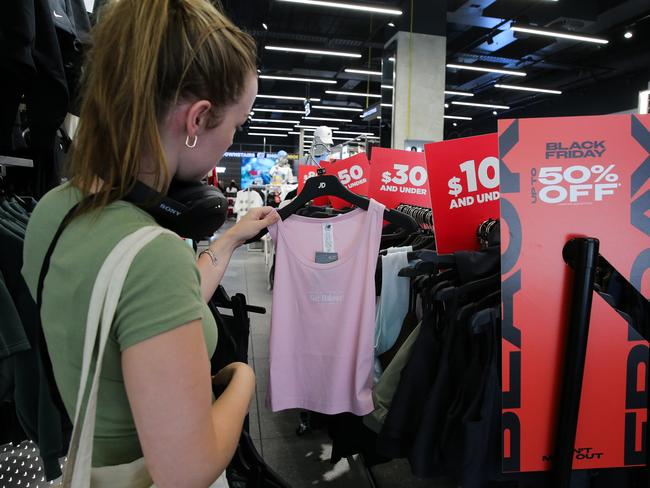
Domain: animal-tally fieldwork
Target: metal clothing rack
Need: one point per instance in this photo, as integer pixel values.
(581, 255)
(6, 161)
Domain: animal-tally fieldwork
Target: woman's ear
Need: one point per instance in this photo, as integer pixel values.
(198, 118)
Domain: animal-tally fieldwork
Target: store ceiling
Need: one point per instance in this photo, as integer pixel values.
(478, 32)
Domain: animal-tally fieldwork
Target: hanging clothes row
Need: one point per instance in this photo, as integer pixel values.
(437, 384)
(31, 408)
(330, 327)
(40, 65)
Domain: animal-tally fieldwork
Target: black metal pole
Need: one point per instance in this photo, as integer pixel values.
(581, 254)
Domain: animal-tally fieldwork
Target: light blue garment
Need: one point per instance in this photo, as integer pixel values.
(394, 301)
(394, 250)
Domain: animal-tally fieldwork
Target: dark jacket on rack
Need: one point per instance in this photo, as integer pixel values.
(39, 61)
(40, 418)
(12, 340)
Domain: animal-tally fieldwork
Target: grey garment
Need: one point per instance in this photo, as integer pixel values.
(12, 227)
(72, 17)
(384, 390)
(10, 217)
(20, 217)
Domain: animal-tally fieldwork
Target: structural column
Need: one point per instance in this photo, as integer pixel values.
(419, 73)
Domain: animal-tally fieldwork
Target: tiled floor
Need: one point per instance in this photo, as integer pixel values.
(301, 461)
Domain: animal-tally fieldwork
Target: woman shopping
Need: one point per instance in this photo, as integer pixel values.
(167, 84)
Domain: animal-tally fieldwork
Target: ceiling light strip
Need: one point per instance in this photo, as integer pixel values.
(347, 6)
(327, 119)
(283, 97)
(341, 109)
(322, 52)
(363, 72)
(458, 93)
(276, 121)
(352, 94)
(281, 129)
(266, 135)
(312, 127)
(457, 117)
(471, 67)
(482, 105)
(280, 111)
(528, 89)
(293, 78)
(558, 34)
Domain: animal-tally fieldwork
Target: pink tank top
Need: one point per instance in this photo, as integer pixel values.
(323, 321)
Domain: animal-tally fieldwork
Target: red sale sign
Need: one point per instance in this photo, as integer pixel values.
(354, 174)
(304, 173)
(464, 182)
(399, 177)
(563, 178)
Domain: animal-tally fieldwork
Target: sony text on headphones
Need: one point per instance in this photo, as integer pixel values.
(191, 209)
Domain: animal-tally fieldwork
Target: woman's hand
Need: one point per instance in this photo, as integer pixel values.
(256, 220)
(225, 376)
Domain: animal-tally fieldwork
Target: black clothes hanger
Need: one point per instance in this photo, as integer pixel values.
(427, 241)
(433, 257)
(489, 283)
(429, 262)
(490, 300)
(392, 236)
(329, 186)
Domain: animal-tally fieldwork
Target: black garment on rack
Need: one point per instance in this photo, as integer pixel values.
(350, 436)
(469, 446)
(473, 265)
(12, 334)
(73, 32)
(401, 423)
(12, 211)
(36, 409)
(416, 420)
(13, 227)
(40, 62)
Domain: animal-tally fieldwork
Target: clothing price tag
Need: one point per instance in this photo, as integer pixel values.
(326, 257)
(328, 238)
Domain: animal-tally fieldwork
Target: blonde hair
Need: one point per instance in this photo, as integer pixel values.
(145, 57)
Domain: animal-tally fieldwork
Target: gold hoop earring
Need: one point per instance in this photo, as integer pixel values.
(193, 144)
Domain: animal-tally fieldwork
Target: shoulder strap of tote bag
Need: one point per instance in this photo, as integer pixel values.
(101, 311)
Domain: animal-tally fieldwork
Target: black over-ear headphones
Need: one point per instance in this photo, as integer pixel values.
(195, 210)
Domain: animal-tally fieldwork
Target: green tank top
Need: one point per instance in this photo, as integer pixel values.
(162, 291)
